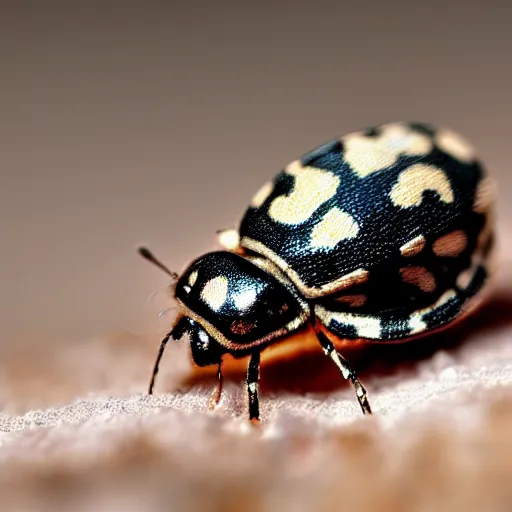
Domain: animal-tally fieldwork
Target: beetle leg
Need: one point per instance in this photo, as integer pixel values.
(345, 369)
(176, 333)
(217, 392)
(253, 375)
(163, 343)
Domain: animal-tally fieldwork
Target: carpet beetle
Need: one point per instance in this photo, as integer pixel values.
(383, 234)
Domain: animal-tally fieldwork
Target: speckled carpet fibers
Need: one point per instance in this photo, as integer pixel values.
(77, 431)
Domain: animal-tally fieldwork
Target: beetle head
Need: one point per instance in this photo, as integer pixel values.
(236, 302)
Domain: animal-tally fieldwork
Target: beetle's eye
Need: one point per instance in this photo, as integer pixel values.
(205, 350)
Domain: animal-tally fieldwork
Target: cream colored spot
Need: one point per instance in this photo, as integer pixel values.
(465, 278)
(366, 326)
(484, 195)
(420, 277)
(192, 278)
(370, 154)
(416, 324)
(354, 301)
(313, 187)
(357, 277)
(253, 387)
(450, 245)
(416, 320)
(454, 145)
(262, 194)
(413, 247)
(336, 226)
(215, 292)
(415, 180)
(229, 239)
(447, 295)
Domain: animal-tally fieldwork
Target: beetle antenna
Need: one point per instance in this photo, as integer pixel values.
(148, 255)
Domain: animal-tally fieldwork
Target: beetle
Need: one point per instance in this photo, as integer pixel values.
(383, 234)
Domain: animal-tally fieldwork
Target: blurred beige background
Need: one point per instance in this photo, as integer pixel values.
(129, 122)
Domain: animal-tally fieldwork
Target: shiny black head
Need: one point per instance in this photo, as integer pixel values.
(230, 301)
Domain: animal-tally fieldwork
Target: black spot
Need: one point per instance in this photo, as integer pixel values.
(372, 132)
(394, 326)
(343, 330)
(311, 158)
(424, 128)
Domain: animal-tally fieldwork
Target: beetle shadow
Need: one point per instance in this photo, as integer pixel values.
(375, 360)
(313, 372)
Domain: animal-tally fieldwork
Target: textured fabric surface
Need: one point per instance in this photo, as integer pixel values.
(79, 433)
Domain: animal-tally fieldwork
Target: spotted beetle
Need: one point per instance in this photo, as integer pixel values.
(383, 234)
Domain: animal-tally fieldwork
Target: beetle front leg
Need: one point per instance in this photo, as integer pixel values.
(253, 375)
(217, 392)
(347, 372)
(176, 333)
